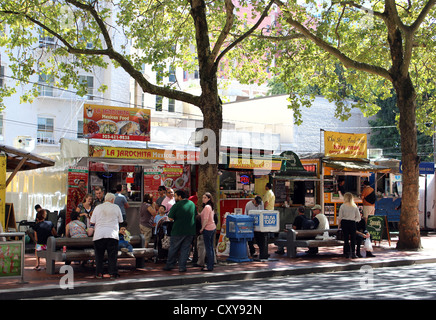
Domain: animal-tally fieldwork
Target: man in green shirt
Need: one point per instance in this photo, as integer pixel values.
(182, 232)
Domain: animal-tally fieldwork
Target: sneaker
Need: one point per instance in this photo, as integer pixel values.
(369, 254)
(115, 276)
(124, 250)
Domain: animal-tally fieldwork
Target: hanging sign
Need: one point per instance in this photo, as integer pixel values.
(116, 123)
(345, 145)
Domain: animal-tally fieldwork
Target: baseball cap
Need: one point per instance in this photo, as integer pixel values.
(317, 206)
(301, 209)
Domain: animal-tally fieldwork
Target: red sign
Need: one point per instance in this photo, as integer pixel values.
(116, 123)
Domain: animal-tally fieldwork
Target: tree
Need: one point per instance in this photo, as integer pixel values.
(385, 134)
(161, 32)
(382, 45)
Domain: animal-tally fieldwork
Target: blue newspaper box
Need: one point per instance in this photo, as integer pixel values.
(239, 229)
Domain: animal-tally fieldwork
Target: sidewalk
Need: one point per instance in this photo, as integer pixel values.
(39, 284)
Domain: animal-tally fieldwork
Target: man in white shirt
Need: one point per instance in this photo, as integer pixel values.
(320, 220)
(105, 220)
(255, 204)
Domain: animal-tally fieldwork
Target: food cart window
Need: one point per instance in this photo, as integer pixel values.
(348, 184)
(228, 180)
(109, 176)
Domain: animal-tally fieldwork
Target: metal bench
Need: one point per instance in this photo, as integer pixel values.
(82, 249)
(307, 238)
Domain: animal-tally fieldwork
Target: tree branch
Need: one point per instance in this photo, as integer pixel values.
(145, 85)
(348, 62)
(245, 35)
(226, 30)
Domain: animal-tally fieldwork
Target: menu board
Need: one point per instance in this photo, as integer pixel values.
(174, 176)
(280, 191)
(116, 123)
(375, 227)
(10, 259)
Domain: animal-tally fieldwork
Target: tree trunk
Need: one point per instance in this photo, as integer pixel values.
(211, 107)
(409, 238)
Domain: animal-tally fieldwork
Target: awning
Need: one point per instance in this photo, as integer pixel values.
(354, 166)
(20, 160)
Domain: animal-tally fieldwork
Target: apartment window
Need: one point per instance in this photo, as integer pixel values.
(80, 129)
(158, 103)
(45, 85)
(171, 105)
(88, 82)
(45, 133)
(1, 127)
(172, 75)
(45, 40)
(2, 76)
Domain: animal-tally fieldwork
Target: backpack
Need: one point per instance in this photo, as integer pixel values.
(371, 198)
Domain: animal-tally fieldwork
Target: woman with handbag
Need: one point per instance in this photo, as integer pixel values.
(348, 216)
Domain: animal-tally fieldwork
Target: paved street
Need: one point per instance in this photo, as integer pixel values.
(409, 282)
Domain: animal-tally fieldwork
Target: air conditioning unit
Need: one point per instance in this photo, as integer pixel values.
(24, 142)
(375, 153)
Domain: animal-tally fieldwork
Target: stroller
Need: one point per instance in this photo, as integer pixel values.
(163, 229)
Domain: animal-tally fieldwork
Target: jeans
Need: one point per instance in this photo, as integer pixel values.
(349, 230)
(208, 245)
(100, 246)
(182, 243)
(125, 244)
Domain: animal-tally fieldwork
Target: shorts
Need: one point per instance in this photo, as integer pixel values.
(41, 247)
(147, 232)
(368, 211)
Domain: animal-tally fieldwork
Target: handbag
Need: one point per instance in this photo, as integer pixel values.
(166, 242)
(367, 246)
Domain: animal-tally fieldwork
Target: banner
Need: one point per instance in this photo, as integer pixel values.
(345, 145)
(145, 154)
(116, 123)
(75, 174)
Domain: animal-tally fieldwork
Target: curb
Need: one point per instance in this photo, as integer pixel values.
(133, 284)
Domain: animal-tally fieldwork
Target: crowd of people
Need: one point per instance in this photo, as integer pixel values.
(351, 220)
(103, 217)
(194, 225)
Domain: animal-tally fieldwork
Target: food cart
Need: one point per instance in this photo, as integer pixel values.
(137, 168)
(242, 177)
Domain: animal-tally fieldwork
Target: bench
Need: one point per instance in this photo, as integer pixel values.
(82, 249)
(307, 238)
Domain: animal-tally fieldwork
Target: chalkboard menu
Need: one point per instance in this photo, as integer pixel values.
(280, 190)
(375, 226)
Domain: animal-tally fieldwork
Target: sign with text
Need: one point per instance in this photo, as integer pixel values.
(375, 227)
(424, 167)
(255, 163)
(145, 154)
(116, 123)
(345, 145)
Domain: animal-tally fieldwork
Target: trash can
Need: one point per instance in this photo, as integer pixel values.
(265, 221)
(239, 230)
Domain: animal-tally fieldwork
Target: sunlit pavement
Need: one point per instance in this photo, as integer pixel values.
(40, 284)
